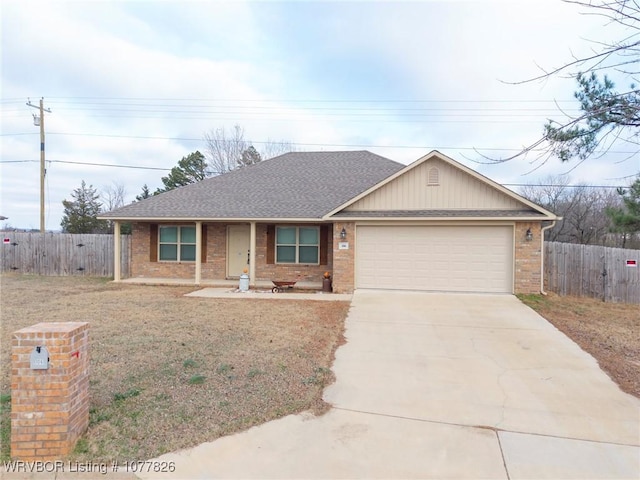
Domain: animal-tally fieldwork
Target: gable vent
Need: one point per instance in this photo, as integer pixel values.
(433, 176)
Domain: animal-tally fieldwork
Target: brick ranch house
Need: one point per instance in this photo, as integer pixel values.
(369, 221)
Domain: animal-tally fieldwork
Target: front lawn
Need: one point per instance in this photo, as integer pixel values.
(610, 332)
(168, 371)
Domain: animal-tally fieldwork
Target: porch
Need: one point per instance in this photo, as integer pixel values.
(216, 253)
(221, 283)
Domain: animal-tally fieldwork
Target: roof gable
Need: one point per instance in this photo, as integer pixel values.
(437, 183)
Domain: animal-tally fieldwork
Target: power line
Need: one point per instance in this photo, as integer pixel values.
(312, 100)
(168, 169)
(263, 109)
(90, 163)
(286, 109)
(265, 104)
(556, 186)
(337, 107)
(262, 142)
(215, 116)
(111, 165)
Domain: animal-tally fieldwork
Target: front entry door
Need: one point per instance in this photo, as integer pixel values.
(238, 244)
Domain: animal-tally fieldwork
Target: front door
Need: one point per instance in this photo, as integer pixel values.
(238, 244)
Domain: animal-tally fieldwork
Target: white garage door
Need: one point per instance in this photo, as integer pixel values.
(443, 258)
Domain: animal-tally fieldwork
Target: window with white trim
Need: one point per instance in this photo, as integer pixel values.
(298, 245)
(177, 244)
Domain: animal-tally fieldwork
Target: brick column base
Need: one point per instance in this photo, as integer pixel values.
(49, 407)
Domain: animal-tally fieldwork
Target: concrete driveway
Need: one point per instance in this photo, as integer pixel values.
(444, 386)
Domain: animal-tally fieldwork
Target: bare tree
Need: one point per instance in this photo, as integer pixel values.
(227, 151)
(113, 196)
(553, 194)
(273, 148)
(224, 149)
(582, 208)
(586, 217)
(550, 192)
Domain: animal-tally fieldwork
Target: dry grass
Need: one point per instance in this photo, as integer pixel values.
(610, 332)
(168, 371)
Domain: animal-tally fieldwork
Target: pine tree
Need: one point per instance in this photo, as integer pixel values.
(190, 169)
(626, 219)
(80, 214)
(249, 157)
(145, 193)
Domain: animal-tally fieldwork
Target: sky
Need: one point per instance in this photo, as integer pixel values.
(133, 86)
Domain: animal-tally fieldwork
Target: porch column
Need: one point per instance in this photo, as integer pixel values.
(252, 255)
(198, 253)
(116, 251)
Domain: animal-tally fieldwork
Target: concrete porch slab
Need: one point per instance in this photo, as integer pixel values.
(219, 283)
(267, 294)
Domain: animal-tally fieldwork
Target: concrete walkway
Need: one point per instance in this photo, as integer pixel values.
(443, 386)
(267, 294)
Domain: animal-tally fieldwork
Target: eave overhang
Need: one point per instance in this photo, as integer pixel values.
(448, 215)
(213, 219)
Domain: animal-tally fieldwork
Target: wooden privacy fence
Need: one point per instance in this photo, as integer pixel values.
(609, 274)
(62, 254)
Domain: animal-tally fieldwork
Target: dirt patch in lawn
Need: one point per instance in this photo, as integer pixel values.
(610, 332)
(169, 371)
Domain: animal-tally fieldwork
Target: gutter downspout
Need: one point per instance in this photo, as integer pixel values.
(542, 230)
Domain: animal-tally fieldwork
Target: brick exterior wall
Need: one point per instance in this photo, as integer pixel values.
(142, 266)
(215, 267)
(49, 408)
(528, 258)
(344, 260)
(287, 272)
(340, 263)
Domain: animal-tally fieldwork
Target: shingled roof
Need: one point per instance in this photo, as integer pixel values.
(297, 185)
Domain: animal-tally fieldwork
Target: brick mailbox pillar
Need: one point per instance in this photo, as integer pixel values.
(49, 389)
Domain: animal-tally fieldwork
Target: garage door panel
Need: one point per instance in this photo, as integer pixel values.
(460, 258)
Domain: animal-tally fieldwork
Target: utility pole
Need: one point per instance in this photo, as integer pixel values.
(39, 121)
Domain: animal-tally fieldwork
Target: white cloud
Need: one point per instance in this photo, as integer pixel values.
(284, 71)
